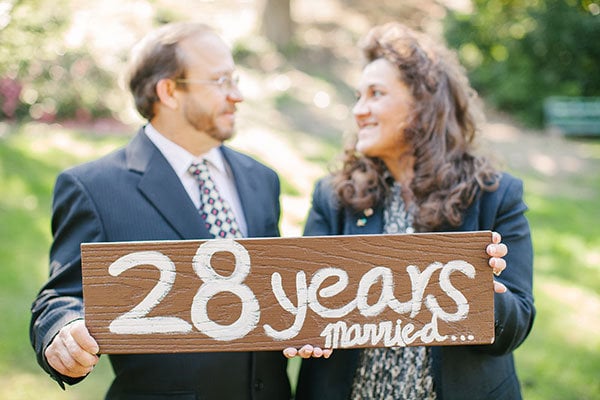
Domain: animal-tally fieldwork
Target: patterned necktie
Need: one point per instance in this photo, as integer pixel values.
(214, 210)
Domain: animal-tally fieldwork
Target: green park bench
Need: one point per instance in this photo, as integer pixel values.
(573, 116)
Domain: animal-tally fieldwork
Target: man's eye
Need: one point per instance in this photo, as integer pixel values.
(377, 93)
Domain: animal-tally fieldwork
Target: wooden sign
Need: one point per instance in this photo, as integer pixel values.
(272, 293)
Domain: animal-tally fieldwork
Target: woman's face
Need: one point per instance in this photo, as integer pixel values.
(382, 111)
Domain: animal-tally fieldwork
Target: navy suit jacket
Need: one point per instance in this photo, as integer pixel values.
(133, 194)
(460, 372)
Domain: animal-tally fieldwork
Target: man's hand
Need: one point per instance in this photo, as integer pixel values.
(73, 351)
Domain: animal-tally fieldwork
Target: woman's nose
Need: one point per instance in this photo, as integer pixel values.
(360, 108)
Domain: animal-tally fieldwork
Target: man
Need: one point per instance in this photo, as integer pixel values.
(182, 79)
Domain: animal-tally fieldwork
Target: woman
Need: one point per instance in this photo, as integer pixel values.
(412, 168)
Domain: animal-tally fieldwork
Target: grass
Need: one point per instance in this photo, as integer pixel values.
(560, 360)
(30, 158)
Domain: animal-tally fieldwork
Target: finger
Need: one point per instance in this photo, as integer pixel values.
(501, 250)
(82, 336)
(306, 351)
(496, 237)
(72, 355)
(492, 250)
(82, 357)
(496, 250)
(498, 265)
(290, 352)
(55, 362)
(327, 353)
(61, 360)
(317, 352)
(499, 287)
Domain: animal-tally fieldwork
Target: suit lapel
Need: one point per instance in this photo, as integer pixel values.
(161, 186)
(358, 224)
(245, 186)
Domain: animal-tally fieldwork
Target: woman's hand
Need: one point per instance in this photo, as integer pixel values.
(496, 250)
(307, 351)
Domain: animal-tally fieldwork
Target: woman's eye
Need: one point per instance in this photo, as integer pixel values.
(377, 93)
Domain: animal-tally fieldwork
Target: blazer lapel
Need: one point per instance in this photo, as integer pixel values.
(359, 224)
(161, 186)
(246, 186)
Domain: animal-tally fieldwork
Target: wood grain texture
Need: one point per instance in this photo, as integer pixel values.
(419, 289)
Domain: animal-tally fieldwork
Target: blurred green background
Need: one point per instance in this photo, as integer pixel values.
(61, 103)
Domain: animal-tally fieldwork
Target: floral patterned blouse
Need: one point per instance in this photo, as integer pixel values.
(397, 373)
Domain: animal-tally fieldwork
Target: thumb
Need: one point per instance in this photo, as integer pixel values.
(499, 287)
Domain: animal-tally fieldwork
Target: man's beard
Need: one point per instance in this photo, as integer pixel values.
(204, 122)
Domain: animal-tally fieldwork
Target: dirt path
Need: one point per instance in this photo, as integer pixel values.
(555, 159)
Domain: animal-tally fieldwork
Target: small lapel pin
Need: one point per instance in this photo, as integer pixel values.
(363, 221)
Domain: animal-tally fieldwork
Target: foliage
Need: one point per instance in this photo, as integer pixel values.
(48, 71)
(519, 52)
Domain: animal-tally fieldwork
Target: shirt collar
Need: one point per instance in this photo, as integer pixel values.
(179, 158)
(215, 158)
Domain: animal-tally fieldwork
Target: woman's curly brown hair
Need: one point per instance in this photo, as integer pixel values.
(447, 173)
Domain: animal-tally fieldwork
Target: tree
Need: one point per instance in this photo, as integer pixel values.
(277, 24)
(520, 52)
(40, 76)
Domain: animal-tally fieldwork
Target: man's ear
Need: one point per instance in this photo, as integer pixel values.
(165, 90)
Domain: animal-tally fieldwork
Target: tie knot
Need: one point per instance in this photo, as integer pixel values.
(198, 169)
(218, 217)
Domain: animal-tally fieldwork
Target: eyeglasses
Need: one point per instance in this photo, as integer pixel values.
(224, 82)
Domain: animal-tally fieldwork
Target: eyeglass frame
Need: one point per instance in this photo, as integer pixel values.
(223, 82)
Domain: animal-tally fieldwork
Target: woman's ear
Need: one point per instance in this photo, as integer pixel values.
(165, 90)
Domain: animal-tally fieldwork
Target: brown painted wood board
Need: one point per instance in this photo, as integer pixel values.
(240, 295)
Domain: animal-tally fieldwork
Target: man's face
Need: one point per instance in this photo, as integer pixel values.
(208, 106)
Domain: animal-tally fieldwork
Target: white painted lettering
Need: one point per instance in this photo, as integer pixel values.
(299, 312)
(215, 283)
(329, 291)
(135, 321)
(387, 291)
(460, 300)
(339, 335)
